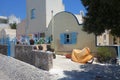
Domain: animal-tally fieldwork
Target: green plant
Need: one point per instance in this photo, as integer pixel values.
(13, 26)
(41, 41)
(105, 54)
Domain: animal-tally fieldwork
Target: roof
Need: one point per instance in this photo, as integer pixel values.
(3, 17)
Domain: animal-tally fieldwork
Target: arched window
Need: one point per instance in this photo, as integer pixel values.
(33, 15)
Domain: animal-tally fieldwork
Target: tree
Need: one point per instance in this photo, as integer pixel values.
(13, 26)
(102, 15)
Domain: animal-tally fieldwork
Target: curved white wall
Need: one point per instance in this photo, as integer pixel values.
(65, 22)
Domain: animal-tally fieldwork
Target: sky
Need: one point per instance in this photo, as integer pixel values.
(18, 7)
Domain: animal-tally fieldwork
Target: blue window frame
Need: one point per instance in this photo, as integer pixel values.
(68, 38)
(33, 15)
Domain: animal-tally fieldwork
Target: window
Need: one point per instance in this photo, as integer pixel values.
(104, 37)
(33, 14)
(68, 38)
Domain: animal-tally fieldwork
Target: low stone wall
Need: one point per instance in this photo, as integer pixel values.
(3, 49)
(43, 60)
(37, 58)
(24, 53)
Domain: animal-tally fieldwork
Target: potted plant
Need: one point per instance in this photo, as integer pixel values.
(32, 42)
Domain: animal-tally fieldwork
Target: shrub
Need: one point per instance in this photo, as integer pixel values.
(105, 54)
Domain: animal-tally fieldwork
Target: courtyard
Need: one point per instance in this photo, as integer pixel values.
(63, 69)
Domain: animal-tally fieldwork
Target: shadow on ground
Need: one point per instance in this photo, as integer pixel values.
(94, 72)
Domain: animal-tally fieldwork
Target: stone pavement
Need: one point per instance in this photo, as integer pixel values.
(12, 69)
(3, 76)
(65, 69)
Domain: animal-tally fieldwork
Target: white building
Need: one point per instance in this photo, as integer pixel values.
(107, 39)
(13, 19)
(39, 14)
(80, 17)
(5, 30)
(67, 34)
(4, 33)
(3, 19)
(4, 22)
(21, 29)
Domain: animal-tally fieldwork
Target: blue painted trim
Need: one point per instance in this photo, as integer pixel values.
(9, 49)
(67, 13)
(118, 52)
(74, 37)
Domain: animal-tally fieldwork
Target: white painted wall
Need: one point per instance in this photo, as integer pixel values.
(37, 24)
(43, 14)
(109, 39)
(101, 40)
(65, 22)
(53, 5)
(13, 19)
(21, 29)
(79, 17)
(2, 24)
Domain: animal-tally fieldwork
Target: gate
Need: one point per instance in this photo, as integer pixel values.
(11, 48)
(10, 45)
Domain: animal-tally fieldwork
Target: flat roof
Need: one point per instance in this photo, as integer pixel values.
(3, 17)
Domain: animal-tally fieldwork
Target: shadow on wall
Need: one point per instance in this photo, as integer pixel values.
(94, 72)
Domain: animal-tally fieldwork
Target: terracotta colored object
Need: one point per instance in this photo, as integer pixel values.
(68, 56)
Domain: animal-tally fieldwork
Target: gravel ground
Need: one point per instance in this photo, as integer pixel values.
(12, 69)
(63, 69)
(3, 76)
